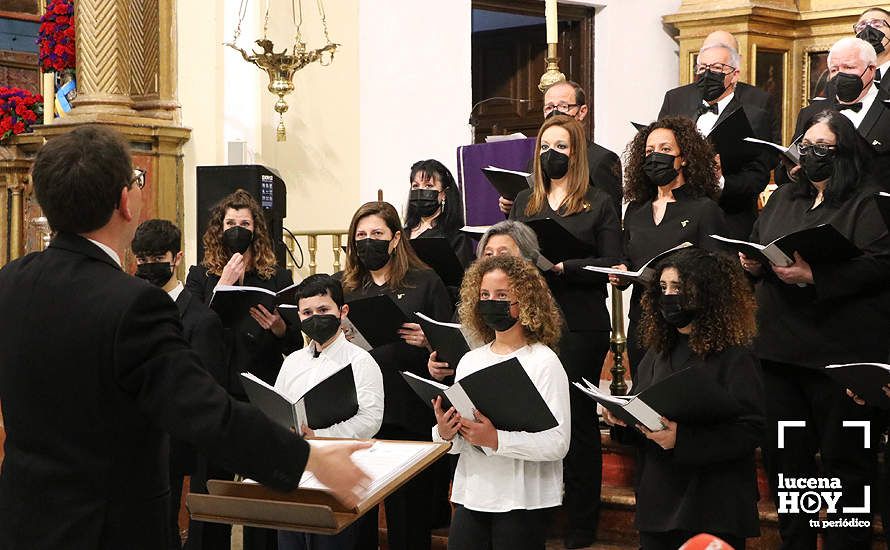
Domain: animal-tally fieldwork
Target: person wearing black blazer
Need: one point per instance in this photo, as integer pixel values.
(671, 185)
(157, 247)
(561, 193)
(710, 101)
(238, 251)
(94, 372)
(873, 26)
(698, 474)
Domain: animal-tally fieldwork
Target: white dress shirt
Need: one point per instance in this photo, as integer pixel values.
(176, 291)
(857, 118)
(706, 122)
(302, 371)
(525, 472)
(108, 250)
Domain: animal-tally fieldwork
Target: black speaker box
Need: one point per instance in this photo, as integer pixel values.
(216, 182)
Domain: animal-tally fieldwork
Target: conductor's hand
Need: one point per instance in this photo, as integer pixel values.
(612, 420)
(233, 272)
(448, 422)
(615, 279)
(505, 205)
(481, 432)
(798, 273)
(752, 266)
(333, 466)
(438, 369)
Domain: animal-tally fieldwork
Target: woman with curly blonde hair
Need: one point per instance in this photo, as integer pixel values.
(698, 474)
(238, 251)
(507, 481)
(670, 181)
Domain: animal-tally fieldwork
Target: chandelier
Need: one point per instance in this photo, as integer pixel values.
(281, 66)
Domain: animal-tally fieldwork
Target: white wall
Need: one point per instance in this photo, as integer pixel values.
(415, 89)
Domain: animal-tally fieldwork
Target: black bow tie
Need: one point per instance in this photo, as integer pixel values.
(702, 109)
(855, 107)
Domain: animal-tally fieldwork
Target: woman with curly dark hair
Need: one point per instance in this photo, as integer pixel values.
(698, 476)
(507, 481)
(670, 181)
(817, 313)
(238, 251)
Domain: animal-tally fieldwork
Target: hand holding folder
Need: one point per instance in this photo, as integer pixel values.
(233, 303)
(820, 244)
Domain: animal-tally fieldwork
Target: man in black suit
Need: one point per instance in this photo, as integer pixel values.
(873, 26)
(715, 95)
(157, 247)
(94, 372)
(852, 67)
(603, 165)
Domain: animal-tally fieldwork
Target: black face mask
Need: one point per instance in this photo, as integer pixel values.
(320, 328)
(874, 37)
(496, 314)
(424, 201)
(156, 273)
(373, 253)
(817, 168)
(659, 168)
(554, 165)
(673, 312)
(848, 86)
(711, 85)
(237, 239)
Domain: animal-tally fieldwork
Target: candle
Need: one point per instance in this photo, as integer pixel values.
(49, 97)
(550, 16)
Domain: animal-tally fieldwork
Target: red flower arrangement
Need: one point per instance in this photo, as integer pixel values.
(19, 109)
(55, 38)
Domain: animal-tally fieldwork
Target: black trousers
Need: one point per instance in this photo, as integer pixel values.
(409, 510)
(799, 393)
(294, 540)
(671, 540)
(175, 499)
(513, 530)
(582, 355)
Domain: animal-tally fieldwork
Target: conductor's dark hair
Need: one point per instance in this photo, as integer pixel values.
(700, 171)
(452, 216)
(156, 238)
(715, 287)
(320, 284)
(78, 178)
(852, 156)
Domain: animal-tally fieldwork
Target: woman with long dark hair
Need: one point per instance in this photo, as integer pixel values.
(812, 314)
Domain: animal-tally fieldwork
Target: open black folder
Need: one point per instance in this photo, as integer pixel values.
(820, 244)
(728, 137)
(329, 402)
(438, 254)
(446, 339)
(558, 243)
(508, 183)
(375, 320)
(503, 392)
(688, 396)
(866, 380)
(645, 273)
(233, 303)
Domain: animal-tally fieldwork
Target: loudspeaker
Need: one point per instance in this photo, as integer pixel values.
(268, 189)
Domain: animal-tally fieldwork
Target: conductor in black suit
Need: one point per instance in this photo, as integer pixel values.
(94, 372)
(604, 166)
(157, 247)
(709, 101)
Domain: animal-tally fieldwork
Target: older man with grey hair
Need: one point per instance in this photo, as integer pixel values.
(852, 64)
(715, 95)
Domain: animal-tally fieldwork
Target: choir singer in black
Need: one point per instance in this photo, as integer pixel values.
(561, 192)
(698, 475)
(671, 183)
(815, 314)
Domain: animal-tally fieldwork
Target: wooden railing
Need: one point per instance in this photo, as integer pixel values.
(309, 242)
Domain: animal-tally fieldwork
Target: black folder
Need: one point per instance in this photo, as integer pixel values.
(728, 138)
(446, 339)
(558, 243)
(427, 390)
(820, 244)
(883, 200)
(378, 319)
(277, 407)
(508, 183)
(290, 314)
(233, 303)
(438, 254)
(503, 392)
(331, 401)
(865, 379)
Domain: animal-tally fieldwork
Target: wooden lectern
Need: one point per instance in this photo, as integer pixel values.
(310, 510)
